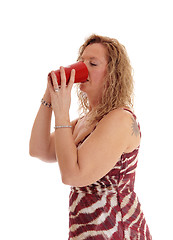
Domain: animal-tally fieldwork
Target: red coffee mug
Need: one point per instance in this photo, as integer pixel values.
(81, 73)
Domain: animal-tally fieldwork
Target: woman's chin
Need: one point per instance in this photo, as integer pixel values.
(83, 86)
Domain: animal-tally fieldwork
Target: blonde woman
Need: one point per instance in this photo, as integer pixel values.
(97, 153)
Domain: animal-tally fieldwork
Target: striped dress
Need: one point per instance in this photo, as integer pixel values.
(109, 208)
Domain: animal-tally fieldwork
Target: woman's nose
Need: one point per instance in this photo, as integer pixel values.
(86, 63)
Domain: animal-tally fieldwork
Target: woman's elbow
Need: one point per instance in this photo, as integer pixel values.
(42, 156)
(73, 182)
(66, 180)
(31, 152)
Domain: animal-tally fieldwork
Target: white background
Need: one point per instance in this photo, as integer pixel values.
(38, 36)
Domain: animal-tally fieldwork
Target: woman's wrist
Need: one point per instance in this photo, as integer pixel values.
(46, 96)
(62, 120)
(46, 103)
(46, 100)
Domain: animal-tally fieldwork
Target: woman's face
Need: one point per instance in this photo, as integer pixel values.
(95, 58)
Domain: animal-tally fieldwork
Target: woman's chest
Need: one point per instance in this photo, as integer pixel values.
(81, 131)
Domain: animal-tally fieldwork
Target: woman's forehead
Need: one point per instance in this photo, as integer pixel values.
(94, 51)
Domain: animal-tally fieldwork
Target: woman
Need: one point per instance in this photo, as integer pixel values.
(97, 153)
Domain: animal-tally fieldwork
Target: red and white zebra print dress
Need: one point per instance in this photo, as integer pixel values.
(109, 208)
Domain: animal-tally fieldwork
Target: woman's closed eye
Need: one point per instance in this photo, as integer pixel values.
(93, 64)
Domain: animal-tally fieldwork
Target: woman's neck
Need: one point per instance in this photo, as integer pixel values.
(93, 102)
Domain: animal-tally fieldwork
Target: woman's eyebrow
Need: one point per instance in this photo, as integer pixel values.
(93, 58)
(90, 58)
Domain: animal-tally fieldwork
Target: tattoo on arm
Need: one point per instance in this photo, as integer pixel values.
(135, 128)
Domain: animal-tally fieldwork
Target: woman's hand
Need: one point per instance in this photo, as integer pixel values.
(61, 96)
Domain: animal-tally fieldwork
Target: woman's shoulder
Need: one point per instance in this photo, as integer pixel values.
(121, 122)
(118, 120)
(119, 114)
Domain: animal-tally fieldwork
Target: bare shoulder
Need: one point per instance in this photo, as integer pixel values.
(117, 118)
(124, 124)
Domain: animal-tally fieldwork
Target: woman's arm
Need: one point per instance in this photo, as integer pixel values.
(41, 140)
(99, 153)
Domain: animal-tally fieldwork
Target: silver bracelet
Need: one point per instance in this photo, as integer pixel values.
(63, 126)
(49, 105)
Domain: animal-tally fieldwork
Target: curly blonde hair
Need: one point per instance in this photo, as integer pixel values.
(118, 86)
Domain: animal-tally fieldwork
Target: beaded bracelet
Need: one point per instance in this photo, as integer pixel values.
(49, 105)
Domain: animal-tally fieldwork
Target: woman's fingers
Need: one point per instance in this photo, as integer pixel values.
(72, 78)
(63, 77)
(51, 89)
(54, 80)
(55, 86)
